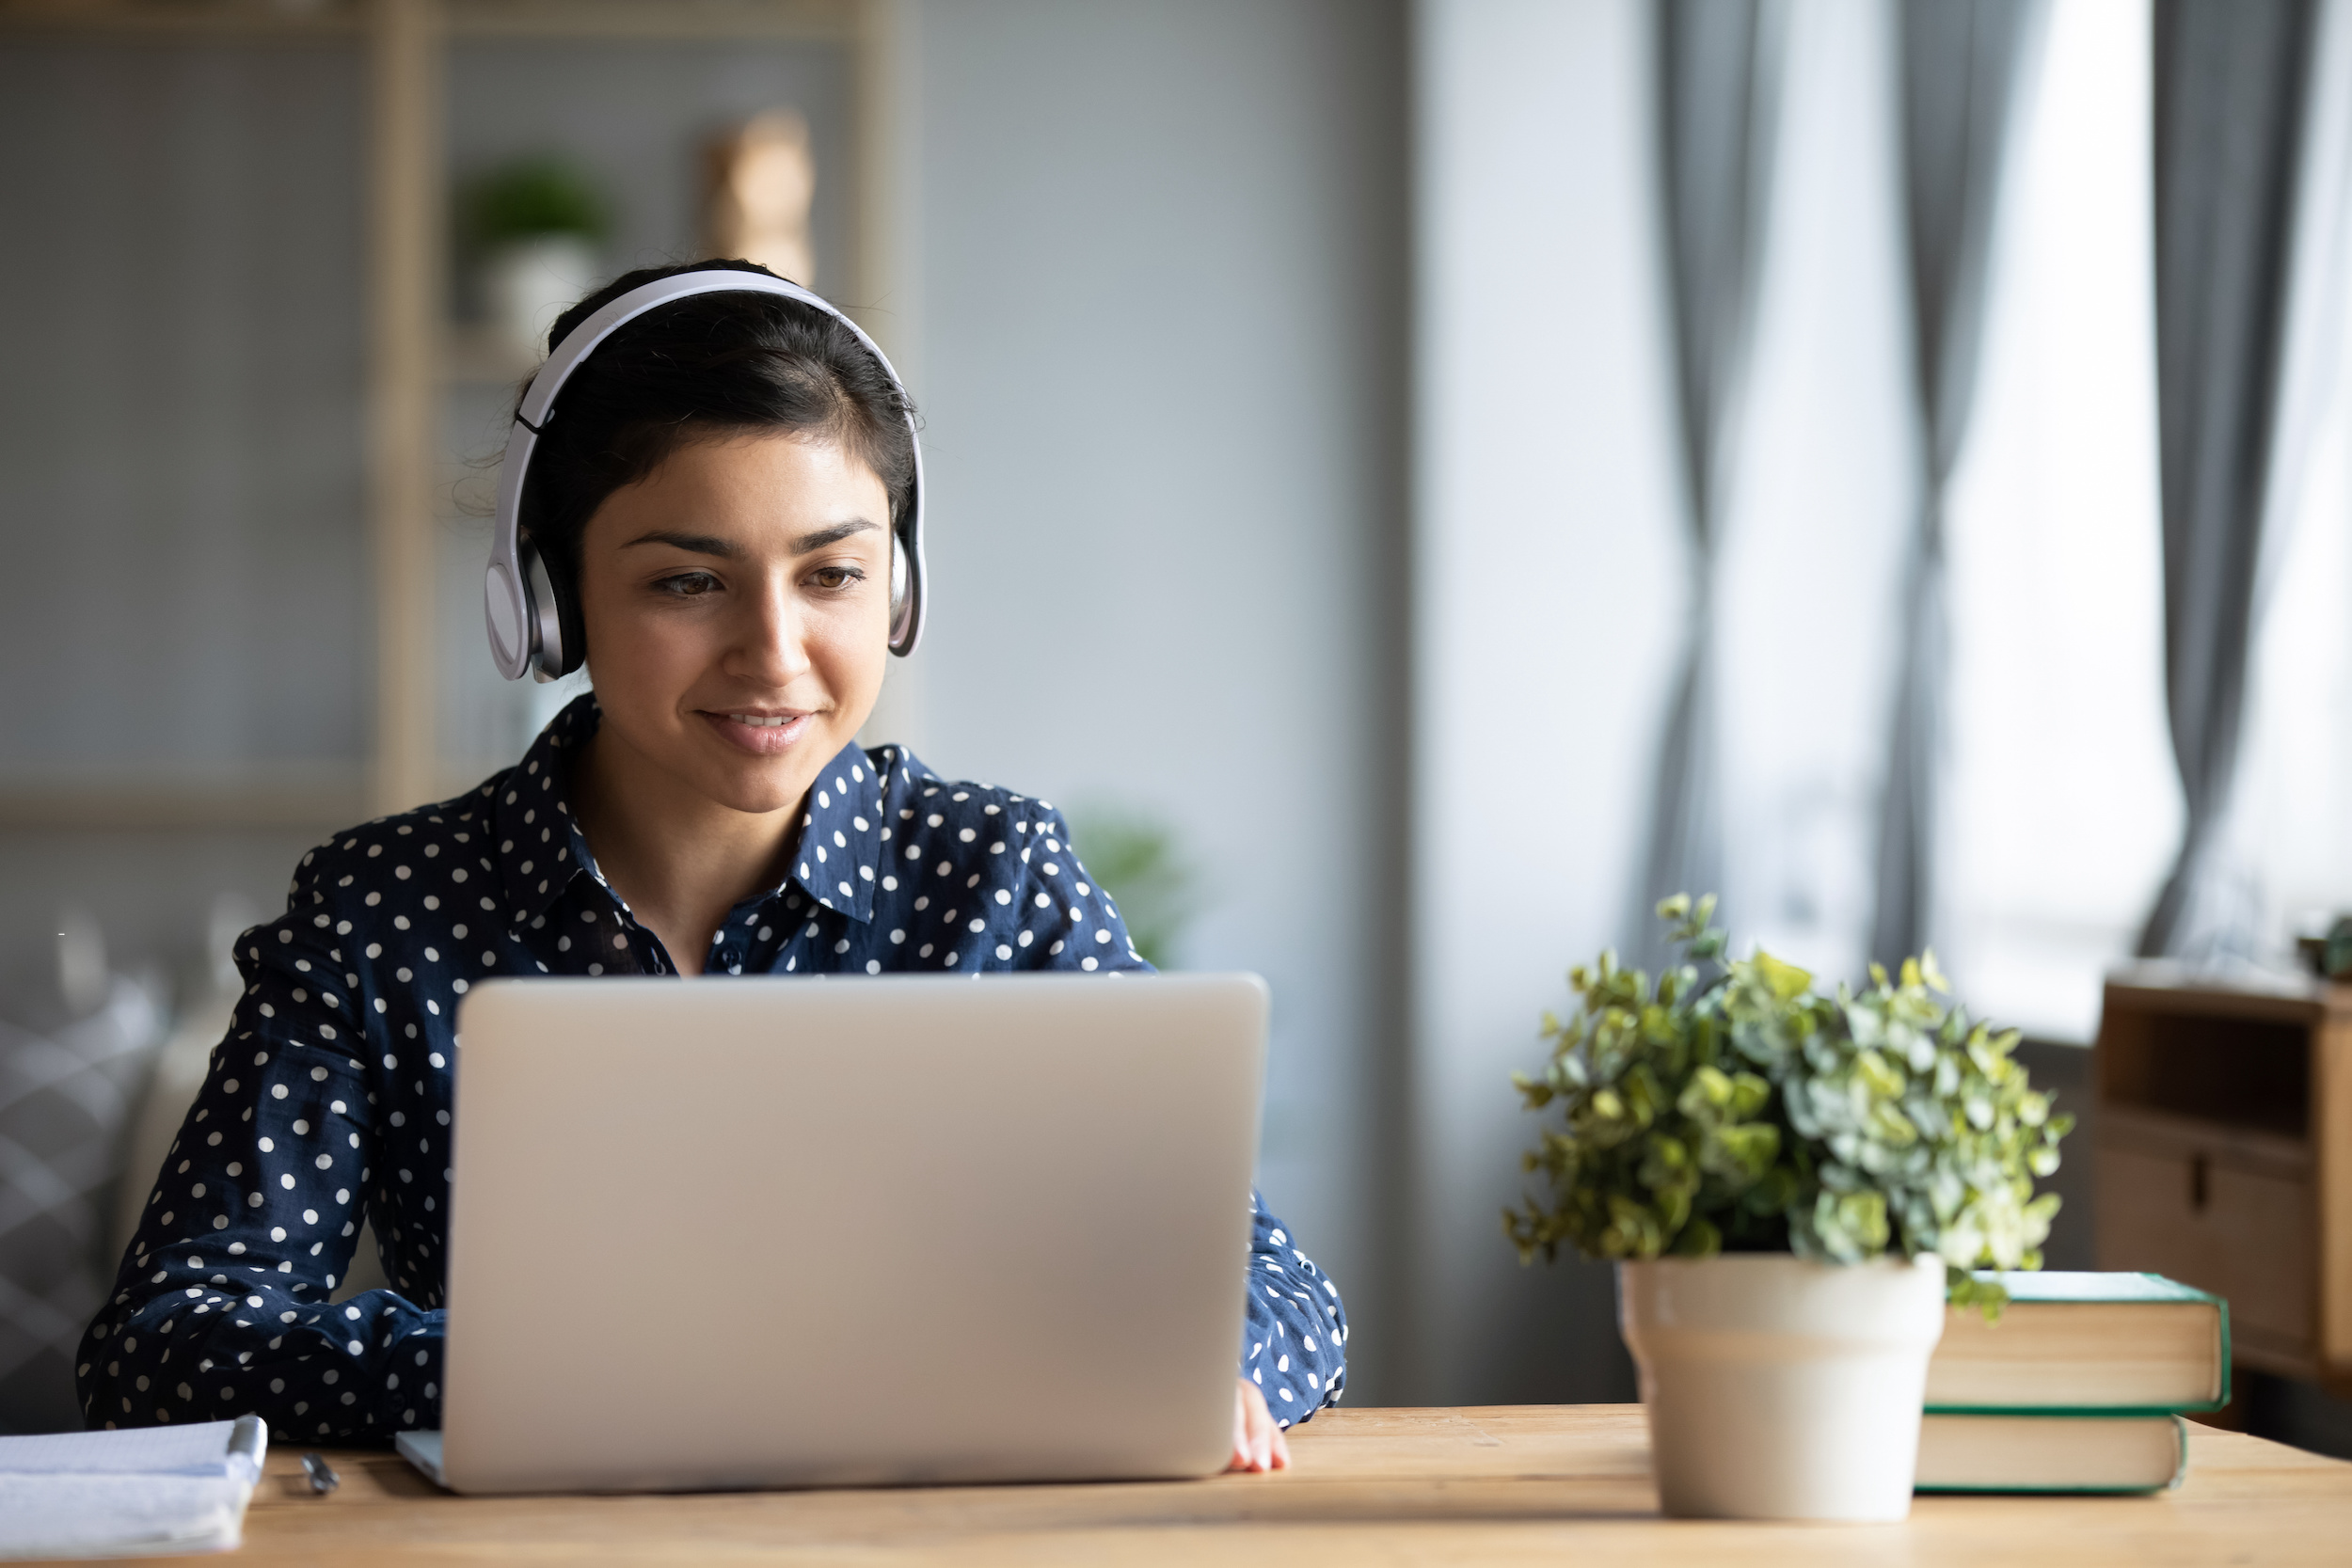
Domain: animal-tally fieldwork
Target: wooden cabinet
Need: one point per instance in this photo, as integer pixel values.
(2223, 1145)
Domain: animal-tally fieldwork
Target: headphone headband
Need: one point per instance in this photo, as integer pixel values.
(526, 631)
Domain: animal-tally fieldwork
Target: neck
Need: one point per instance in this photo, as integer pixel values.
(677, 858)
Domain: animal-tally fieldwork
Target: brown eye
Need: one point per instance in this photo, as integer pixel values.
(688, 585)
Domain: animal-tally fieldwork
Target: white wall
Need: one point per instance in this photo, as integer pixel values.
(1157, 309)
(1546, 592)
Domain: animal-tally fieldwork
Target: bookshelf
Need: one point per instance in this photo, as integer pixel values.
(2224, 1154)
(416, 357)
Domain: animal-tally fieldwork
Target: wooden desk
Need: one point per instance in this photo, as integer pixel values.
(1513, 1485)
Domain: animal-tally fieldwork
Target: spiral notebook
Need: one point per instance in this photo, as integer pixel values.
(147, 1492)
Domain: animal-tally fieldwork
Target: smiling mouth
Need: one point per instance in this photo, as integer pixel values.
(759, 734)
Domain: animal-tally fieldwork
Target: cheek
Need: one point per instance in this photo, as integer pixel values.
(631, 645)
(850, 646)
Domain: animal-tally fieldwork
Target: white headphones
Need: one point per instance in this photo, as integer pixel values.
(527, 634)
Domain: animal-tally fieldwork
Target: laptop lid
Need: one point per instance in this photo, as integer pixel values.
(800, 1232)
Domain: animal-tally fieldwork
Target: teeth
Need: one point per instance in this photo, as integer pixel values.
(757, 723)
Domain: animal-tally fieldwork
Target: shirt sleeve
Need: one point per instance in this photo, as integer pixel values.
(1059, 917)
(223, 1303)
(1293, 1338)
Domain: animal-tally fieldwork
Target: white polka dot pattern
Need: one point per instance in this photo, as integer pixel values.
(329, 1099)
(1293, 1336)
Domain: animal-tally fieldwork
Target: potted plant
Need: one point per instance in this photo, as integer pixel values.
(534, 227)
(1135, 859)
(1792, 1184)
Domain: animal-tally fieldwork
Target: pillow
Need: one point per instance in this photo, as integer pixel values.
(65, 1096)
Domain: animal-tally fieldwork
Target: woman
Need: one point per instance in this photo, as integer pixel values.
(717, 499)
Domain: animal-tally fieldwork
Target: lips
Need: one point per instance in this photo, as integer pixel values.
(757, 734)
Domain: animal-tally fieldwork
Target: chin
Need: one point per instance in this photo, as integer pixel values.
(760, 788)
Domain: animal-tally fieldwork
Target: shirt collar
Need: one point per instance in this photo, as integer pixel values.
(540, 846)
(836, 862)
(839, 854)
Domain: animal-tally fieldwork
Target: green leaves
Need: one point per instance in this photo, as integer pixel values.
(1749, 1111)
(532, 198)
(1786, 981)
(1137, 860)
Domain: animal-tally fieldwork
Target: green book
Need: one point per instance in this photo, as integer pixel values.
(2051, 1453)
(2086, 1344)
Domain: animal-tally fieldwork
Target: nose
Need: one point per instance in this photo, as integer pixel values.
(769, 648)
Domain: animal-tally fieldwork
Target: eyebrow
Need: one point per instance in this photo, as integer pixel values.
(726, 550)
(818, 539)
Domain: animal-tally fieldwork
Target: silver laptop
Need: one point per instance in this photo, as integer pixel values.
(846, 1232)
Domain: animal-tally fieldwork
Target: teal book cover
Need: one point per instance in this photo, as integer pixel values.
(2072, 1343)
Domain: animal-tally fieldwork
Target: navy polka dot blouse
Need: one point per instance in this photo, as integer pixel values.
(329, 1099)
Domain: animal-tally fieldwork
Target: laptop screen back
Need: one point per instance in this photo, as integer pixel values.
(851, 1231)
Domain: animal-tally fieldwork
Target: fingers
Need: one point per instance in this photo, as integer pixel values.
(1259, 1445)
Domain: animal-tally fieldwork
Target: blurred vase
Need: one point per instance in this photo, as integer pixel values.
(1778, 1387)
(760, 179)
(527, 283)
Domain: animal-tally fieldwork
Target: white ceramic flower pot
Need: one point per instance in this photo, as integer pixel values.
(527, 283)
(1779, 1388)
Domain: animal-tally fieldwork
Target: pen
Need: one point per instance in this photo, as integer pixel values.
(323, 1477)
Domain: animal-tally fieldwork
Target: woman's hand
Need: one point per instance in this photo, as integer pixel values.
(1258, 1443)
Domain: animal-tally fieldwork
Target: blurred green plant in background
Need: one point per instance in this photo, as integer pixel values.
(1133, 857)
(532, 198)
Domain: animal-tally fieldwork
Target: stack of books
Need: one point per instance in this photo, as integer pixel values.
(2079, 1386)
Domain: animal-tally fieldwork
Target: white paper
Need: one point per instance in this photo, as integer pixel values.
(141, 1491)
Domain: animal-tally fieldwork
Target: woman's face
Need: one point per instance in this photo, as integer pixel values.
(737, 607)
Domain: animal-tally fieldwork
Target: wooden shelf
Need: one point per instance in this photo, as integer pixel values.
(312, 800)
(2224, 1153)
(2160, 1132)
(481, 357)
(193, 18)
(812, 20)
(2180, 988)
(809, 21)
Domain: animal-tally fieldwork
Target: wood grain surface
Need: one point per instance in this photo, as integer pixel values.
(1510, 1485)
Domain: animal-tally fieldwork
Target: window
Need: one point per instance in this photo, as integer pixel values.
(2062, 805)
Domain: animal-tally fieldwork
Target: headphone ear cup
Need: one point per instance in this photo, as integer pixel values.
(897, 580)
(574, 649)
(555, 608)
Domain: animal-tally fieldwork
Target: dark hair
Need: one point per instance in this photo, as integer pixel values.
(706, 366)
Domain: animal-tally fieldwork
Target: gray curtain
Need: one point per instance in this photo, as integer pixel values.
(1718, 77)
(1961, 61)
(2229, 85)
